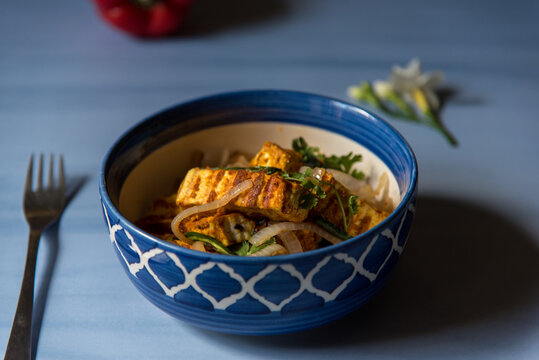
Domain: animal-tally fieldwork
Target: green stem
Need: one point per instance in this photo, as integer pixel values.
(344, 219)
(450, 138)
(209, 240)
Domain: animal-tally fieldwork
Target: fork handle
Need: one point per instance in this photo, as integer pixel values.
(20, 340)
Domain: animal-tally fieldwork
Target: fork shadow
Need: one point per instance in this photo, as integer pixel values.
(51, 239)
(464, 265)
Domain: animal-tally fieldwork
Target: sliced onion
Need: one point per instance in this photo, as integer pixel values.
(273, 230)
(364, 191)
(291, 242)
(225, 155)
(383, 184)
(352, 184)
(222, 201)
(273, 249)
(199, 246)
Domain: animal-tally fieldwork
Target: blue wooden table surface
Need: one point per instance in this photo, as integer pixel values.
(468, 284)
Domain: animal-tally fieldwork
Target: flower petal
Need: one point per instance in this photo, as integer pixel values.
(433, 79)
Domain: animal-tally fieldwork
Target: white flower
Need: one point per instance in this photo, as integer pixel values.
(382, 88)
(409, 79)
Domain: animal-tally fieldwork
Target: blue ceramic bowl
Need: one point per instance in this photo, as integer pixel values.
(244, 295)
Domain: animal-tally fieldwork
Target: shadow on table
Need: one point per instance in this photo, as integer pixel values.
(212, 16)
(51, 238)
(463, 264)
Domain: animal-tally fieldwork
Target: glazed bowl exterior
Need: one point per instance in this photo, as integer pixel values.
(246, 295)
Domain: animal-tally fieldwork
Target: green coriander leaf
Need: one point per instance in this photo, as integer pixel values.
(312, 157)
(299, 177)
(257, 248)
(319, 192)
(343, 163)
(242, 249)
(352, 204)
(307, 201)
(312, 190)
(308, 185)
(357, 174)
(309, 154)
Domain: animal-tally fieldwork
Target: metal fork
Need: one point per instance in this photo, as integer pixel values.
(42, 207)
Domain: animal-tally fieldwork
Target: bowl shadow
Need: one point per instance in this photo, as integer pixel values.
(464, 264)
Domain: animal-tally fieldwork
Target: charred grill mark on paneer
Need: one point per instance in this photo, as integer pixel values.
(271, 196)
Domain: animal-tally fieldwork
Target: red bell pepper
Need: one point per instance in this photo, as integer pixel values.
(144, 18)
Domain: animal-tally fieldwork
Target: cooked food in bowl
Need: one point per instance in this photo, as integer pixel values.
(281, 201)
(251, 294)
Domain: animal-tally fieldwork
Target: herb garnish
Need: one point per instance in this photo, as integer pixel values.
(209, 240)
(352, 204)
(243, 249)
(315, 192)
(312, 157)
(311, 185)
(331, 228)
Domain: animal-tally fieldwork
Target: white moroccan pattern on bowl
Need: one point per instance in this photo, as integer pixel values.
(254, 295)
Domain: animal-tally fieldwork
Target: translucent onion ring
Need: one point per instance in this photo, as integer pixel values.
(291, 242)
(357, 187)
(222, 201)
(364, 191)
(276, 229)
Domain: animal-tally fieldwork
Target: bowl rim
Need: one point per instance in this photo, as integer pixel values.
(109, 206)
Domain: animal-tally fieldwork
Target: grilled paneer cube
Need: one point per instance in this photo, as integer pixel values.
(272, 155)
(366, 218)
(270, 196)
(228, 228)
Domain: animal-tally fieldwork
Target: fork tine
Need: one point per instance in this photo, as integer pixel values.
(50, 179)
(29, 173)
(61, 176)
(40, 173)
